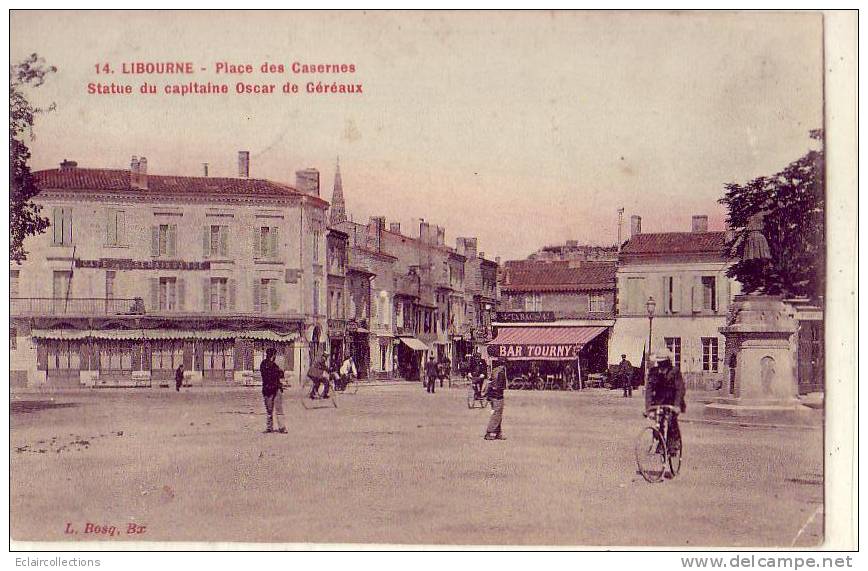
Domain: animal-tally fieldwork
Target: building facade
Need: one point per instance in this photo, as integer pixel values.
(685, 275)
(141, 273)
(556, 311)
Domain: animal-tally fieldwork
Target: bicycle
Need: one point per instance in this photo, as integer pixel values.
(656, 448)
(317, 400)
(348, 385)
(476, 399)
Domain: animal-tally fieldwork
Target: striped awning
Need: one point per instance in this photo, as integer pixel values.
(168, 334)
(118, 334)
(414, 344)
(211, 335)
(542, 343)
(60, 333)
(266, 335)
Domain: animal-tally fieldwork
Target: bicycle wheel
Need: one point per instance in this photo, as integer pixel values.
(675, 450)
(651, 454)
(318, 402)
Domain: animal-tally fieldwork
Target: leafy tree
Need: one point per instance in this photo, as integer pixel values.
(24, 218)
(794, 225)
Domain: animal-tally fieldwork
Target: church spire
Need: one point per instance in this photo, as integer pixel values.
(338, 212)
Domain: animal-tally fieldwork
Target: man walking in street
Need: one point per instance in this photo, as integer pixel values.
(496, 388)
(431, 374)
(272, 391)
(625, 376)
(179, 377)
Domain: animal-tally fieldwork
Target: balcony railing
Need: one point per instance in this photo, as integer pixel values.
(76, 306)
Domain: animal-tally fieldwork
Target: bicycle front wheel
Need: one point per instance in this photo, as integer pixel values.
(651, 454)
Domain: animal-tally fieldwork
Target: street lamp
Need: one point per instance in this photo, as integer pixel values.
(650, 306)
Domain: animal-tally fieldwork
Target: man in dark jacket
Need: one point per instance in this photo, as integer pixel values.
(494, 394)
(666, 387)
(179, 377)
(431, 373)
(625, 375)
(272, 391)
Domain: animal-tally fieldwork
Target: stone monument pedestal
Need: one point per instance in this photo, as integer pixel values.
(758, 339)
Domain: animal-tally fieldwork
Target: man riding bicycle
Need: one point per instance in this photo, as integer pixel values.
(666, 387)
(346, 373)
(477, 371)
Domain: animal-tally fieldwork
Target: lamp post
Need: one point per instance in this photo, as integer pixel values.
(650, 306)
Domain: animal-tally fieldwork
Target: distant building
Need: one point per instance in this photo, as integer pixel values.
(572, 251)
(685, 274)
(140, 273)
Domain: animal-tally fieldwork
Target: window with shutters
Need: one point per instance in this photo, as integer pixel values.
(596, 303)
(115, 227)
(164, 240)
(110, 284)
(214, 240)
(532, 302)
(219, 294)
(673, 344)
(168, 300)
(265, 244)
(266, 295)
(709, 354)
(709, 293)
(61, 223)
(316, 236)
(14, 278)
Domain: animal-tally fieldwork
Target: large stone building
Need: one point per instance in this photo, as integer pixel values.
(140, 273)
(685, 274)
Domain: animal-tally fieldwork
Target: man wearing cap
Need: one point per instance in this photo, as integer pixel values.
(496, 388)
(624, 375)
(666, 387)
(272, 391)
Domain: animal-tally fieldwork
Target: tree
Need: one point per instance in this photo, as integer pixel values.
(24, 218)
(794, 225)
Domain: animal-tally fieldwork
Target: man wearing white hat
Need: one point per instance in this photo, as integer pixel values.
(666, 387)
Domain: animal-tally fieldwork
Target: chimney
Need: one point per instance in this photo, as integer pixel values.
(307, 181)
(140, 179)
(441, 236)
(395, 227)
(424, 233)
(376, 225)
(700, 223)
(244, 164)
(68, 165)
(134, 171)
(467, 247)
(497, 260)
(482, 255)
(635, 225)
(205, 169)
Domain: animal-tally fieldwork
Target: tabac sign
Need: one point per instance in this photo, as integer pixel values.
(546, 352)
(524, 316)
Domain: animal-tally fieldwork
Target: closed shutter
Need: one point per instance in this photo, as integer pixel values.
(274, 242)
(664, 298)
(697, 294)
(231, 286)
(155, 241)
(181, 293)
(57, 224)
(257, 305)
(155, 294)
(257, 247)
(224, 241)
(170, 247)
(121, 227)
(67, 226)
(275, 298)
(206, 294)
(723, 305)
(206, 241)
(111, 229)
(290, 357)
(676, 294)
(719, 287)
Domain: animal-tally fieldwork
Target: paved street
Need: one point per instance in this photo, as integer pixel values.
(395, 465)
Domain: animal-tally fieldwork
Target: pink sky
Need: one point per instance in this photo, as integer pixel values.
(523, 129)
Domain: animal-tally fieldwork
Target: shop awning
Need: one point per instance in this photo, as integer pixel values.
(542, 343)
(59, 333)
(266, 335)
(212, 335)
(118, 334)
(414, 344)
(167, 334)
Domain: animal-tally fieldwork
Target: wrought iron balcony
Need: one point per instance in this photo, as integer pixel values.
(22, 306)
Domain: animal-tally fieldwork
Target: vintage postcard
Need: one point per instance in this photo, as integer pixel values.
(432, 279)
